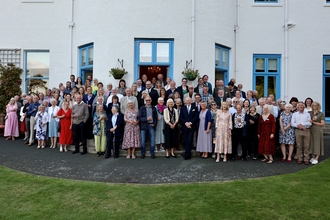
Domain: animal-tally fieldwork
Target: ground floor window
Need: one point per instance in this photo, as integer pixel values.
(152, 57)
(86, 61)
(36, 71)
(326, 86)
(266, 74)
(221, 63)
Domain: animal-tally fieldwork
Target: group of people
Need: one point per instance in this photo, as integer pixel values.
(219, 122)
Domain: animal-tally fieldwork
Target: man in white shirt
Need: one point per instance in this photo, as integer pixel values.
(114, 92)
(301, 122)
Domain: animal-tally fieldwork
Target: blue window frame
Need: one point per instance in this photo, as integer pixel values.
(326, 87)
(266, 74)
(153, 56)
(328, 1)
(36, 71)
(221, 63)
(86, 60)
(266, 1)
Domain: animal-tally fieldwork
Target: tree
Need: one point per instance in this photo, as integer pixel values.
(10, 84)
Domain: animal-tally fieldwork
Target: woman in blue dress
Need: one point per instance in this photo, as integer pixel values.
(53, 123)
(41, 119)
(287, 134)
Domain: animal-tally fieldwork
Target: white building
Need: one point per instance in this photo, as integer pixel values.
(275, 46)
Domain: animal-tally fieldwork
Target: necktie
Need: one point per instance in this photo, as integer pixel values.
(188, 109)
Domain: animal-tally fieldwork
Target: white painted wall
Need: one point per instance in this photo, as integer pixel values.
(113, 25)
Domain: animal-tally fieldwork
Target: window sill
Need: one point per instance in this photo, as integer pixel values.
(327, 5)
(267, 5)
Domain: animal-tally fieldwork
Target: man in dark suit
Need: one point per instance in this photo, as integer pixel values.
(152, 93)
(189, 119)
(148, 118)
(88, 99)
(115, 130)
(170, 92)
(220, 98)
(240, 89)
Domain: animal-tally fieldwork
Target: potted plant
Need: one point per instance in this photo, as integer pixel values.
(117, 72)
(190, 74)
(10, 85)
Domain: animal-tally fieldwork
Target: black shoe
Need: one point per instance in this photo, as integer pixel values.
(82, 153)
(142, 156)
(233, 159)
(115, 156)
(153, 156)
(98, 154)
(103, 153)
(168, 156)
(75, 152)
(106, 156)
(244, 159)
(173, 155)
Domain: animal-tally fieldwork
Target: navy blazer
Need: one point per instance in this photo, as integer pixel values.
(143, 117)
(90, 102)
(169, 92)
(120, 125)
(192, 117)
(208, 118)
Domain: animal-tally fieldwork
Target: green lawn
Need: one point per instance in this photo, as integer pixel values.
(303, 195)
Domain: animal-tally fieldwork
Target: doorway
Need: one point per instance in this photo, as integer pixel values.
(153, 71)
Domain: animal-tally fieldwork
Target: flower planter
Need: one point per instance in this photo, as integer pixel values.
(118, 76)
(191, 78)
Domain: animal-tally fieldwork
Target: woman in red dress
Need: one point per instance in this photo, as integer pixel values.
(266, 134)
(65, 126)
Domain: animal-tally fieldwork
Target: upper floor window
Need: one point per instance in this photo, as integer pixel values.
(86, 60)
(221, 63)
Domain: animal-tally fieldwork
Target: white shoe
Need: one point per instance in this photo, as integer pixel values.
(61, 149)
(65, 150)
(221, 155)
(213, 155)
(161, 149)
(311, 160)
(315, 162)
(156, 150)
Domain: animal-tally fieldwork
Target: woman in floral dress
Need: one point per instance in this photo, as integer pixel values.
(132, 138)
(287, 135)
(11, 125)
(223, 126)
(41, 126)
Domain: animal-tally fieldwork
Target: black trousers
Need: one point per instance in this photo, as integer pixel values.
(188, 142)
(238, 138)
(110, 137)
(79, 135)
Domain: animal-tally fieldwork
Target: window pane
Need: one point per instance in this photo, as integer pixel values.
(327, 96)
(217, 56)
(145, 52)
(260, 85)
(260, 65)
(219, 74)
(90, 55)
(224, 58)
(327, 66)
(83, 57)
(163, 51)
(272, 65)
(36, 86)
(271, 86)
(37, 64)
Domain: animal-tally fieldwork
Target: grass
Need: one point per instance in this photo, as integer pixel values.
(302, 195)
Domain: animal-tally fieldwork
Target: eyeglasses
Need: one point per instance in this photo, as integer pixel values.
(148, 100)
(213, 104)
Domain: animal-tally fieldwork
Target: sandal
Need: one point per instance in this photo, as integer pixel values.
(270, 161)
(128, 156)
(133, 156)
(264, 160)
(7, 138)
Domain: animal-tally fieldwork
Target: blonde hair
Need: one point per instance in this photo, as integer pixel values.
(222, 103)
(318, 104)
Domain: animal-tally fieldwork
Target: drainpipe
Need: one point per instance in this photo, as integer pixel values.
(192, 33)
(286, 45)
(71, 25)
(236, 30)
